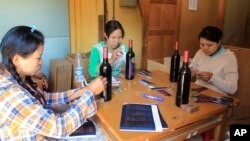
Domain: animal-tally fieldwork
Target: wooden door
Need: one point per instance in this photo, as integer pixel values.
(160, 28)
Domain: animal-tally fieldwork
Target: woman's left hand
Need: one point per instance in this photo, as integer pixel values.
(40, 78)
(97, 85)
(206, 76)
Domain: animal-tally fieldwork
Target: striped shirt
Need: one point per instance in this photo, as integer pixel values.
(22, 117)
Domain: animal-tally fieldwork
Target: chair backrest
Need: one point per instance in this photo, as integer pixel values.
(243, 92)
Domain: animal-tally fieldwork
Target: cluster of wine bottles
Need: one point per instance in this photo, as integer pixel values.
(106, 70)
(182, 76)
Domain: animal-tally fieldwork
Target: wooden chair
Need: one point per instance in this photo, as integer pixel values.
(241, 113)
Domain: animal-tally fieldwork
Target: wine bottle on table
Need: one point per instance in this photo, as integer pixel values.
(130, 62)
(106, 71)
(183, 84)
(175, 64)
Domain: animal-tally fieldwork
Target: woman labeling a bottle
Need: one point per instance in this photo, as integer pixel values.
(114, 34)
(214, 66)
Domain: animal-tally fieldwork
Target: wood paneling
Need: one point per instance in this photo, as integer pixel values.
(209, 12)
(243, 93)
(160, 28)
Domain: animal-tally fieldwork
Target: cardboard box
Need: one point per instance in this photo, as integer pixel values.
(60, 75)
(85, 59)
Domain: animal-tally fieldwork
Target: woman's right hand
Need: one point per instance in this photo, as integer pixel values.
(194, 71)
(117, 53)
(97, 85)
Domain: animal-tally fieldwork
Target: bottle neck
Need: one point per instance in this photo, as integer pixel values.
(185, 59)
(105, 60)
(176, 51)
(176, 46)
(130, 44)
(130, 49)
(105, 54)
(185, 64)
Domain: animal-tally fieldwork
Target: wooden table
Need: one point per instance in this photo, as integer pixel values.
(181, 124)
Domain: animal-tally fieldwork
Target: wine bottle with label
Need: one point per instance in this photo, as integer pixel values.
(183, 84)
(175, 64)
(130, 62)
(106, 71)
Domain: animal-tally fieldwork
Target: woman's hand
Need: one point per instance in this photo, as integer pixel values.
(97, 85)
(206, 76)
(194, 71)
(41, 80)
(117, 53)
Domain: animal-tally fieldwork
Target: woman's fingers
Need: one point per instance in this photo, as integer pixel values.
(206, 76)
(97, 85)
(117, 53)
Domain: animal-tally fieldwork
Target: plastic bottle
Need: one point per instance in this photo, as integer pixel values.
(78, 70)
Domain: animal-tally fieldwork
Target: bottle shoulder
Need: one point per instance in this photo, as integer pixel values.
(185, 70)
(176, 53)
(130, 52)
(105, 64)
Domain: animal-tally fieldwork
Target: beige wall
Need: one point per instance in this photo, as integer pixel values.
(87, 17)
(191, 23)
(84, 23)
(131, 21)
(233, 22)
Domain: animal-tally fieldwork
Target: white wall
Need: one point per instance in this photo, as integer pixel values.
(49, 16)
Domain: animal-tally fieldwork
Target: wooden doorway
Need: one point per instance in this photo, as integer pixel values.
(160, 28)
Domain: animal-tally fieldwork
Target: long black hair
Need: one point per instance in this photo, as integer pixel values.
(21, 40)
(111, 26)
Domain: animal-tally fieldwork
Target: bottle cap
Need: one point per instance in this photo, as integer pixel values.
(186, 56)
(130, 43)
(105, 52)
(176, 45)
